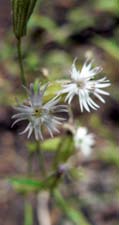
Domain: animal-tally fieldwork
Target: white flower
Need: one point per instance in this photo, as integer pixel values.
(39, 114)
(83, 140)
(83, 85)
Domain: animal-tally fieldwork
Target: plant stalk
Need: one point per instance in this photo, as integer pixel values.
(41, 159)
(22, 75)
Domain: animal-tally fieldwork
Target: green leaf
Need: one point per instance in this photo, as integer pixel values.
(22, 184)
(26, 185)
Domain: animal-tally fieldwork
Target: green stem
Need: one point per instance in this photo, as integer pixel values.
(23, 80)
(28, 212)
(29, 168)
(58, 152)
(41, 159)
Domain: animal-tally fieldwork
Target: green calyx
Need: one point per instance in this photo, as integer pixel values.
(21, 12)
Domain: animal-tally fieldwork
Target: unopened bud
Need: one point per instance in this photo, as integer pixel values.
(21, 12)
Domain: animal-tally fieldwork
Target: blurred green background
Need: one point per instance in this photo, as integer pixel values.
(59, 31)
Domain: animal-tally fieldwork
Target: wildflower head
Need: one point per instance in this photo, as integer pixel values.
(83, 84)
(39, 114)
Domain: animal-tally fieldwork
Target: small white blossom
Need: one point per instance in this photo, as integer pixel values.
(83, 140)
(39, 114)
(83, 85)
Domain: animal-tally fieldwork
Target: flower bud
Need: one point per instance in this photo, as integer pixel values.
(21, 12)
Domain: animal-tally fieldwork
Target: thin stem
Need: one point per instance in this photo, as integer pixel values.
(41, 159)
(58, 152)
(28, 212)
(29, 168)
(23, 80)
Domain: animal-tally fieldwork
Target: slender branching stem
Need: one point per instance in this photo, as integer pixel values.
(58, 152)
(22, 75)
(41, 159)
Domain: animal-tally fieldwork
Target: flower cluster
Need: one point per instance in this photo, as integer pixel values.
(40, 114)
